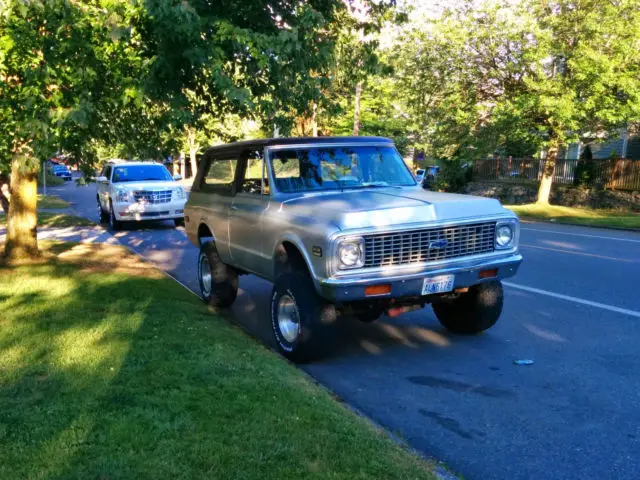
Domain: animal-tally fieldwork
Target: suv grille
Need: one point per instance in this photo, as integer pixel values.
(160, 196)
(429, 244)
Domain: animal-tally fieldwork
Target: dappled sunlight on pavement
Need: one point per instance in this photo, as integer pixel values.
(72, 234)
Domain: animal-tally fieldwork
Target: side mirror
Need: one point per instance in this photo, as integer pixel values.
(177, 177)
(102, 179)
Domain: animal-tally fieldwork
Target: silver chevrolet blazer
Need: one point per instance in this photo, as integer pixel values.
(341, 227)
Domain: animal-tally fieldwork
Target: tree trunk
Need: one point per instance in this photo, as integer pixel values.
(177, 164)
(356, 109)
(193, 150)
(192, 159)
(22, 238)
(314, 120)
(547, 174)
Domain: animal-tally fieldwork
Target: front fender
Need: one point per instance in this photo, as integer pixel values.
(315, 265)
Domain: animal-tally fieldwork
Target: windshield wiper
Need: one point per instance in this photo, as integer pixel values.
(377, 185)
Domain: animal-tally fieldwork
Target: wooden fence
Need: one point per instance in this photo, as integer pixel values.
(617, 174)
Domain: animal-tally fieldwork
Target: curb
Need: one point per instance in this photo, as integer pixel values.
(602, 227)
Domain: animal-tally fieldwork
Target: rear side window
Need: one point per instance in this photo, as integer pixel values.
(107, 172)
(221, 172)
(220, 175)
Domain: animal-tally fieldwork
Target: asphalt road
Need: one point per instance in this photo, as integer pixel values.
(574, 308)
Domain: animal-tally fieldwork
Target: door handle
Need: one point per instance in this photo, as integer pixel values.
(234, 208)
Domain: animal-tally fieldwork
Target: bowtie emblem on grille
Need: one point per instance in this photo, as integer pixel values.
(438, 244)
(154, 196)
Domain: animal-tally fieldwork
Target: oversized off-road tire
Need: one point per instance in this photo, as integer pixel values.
(301, 320)
(471, 312)
(114, 223)
(104, 216)
(218, 281)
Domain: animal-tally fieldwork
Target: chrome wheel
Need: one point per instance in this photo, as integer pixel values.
(205, 276)
(288, 318)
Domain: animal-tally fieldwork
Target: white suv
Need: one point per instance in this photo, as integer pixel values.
(135, 191)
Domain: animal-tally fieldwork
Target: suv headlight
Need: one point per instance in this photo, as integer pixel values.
(179, 193)
(351, 253)
(506, 233)
(123, 195)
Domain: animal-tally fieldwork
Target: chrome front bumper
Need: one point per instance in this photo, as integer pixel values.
(149, 211)
(349, 289)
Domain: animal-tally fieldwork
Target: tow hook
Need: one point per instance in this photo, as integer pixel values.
(397, 311)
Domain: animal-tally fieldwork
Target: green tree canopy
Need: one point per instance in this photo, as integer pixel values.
(538, 72)
(64, 65)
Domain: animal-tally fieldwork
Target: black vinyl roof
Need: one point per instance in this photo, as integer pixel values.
(268, 142)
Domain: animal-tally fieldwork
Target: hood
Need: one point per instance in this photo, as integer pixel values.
(148, 186)
(388, 207)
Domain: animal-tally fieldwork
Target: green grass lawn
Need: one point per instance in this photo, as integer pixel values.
(51, 201)
(578, 216)
(109, 370)
(52, 180)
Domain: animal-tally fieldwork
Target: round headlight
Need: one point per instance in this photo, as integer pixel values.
(504, 235)
(350, 254)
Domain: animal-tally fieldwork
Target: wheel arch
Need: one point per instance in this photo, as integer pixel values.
(290, 255)
(204, 234)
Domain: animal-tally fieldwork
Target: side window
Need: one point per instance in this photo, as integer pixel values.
(252, 181)
(286, 170)
(220, 175)
(107, 172)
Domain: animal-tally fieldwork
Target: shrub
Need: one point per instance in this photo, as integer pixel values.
(453, 176)
(585, 171)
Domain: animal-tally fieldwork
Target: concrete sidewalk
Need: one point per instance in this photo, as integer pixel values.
(95, 234)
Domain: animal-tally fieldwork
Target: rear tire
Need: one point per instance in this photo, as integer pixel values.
(301, 320)
(218, 281)
(472, 312)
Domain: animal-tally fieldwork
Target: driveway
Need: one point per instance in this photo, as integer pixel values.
(573, 308)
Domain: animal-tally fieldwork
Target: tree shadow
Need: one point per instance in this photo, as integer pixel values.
(123, 375)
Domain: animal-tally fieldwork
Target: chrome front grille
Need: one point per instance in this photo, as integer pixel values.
(428, 245)
(160, 196)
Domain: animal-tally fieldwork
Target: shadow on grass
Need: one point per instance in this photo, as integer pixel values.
(110, 370)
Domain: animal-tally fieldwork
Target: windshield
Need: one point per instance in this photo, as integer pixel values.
(141, 173)
(349, 167)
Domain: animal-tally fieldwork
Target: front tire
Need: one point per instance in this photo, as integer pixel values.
(178, 222)
(218, 281)
(114, 223)
(301, 320)
(472, 312)
(104, 217)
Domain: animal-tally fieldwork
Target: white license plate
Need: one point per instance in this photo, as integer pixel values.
(441, 284)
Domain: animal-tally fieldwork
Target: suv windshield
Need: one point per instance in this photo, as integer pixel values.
(348, 167)
(140, 173)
